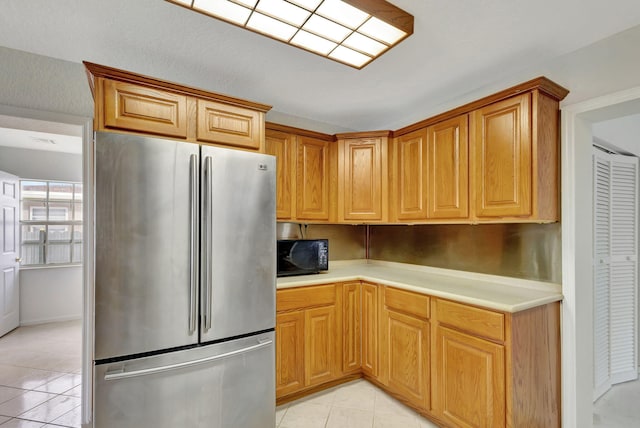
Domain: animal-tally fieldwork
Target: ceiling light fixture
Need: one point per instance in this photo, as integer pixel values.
(353, 32)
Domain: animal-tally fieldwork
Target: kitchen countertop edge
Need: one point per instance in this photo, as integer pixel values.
(490, 291)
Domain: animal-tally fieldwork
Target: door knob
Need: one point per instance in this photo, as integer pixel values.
(19, 259)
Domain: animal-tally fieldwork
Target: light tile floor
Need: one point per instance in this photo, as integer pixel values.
(40, 376)
(357, 404)
(619, 407)
(40, 380)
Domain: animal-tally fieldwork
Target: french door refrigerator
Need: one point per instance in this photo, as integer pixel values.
(184, 285)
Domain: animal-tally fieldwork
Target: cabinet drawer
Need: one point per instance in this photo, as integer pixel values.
(305, 297)
(138, 108)
(480, 322)
(405, 301)
(225, 124)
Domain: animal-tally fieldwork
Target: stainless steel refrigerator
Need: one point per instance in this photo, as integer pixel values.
(184, 285)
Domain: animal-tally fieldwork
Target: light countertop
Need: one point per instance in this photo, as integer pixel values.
(490, 291)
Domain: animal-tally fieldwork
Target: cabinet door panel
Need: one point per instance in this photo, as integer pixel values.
(469, 378)
(447, 152)
(320, 345)
(410, 176)
(363, 195)
(502, 158)
(289, 352)
(370, 329)
(225, 124)
(137, 108)
(312, 189)
(280, 145)
(351, 327)
(408, 357)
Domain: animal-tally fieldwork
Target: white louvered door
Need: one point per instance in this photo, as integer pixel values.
(601, 272)
(615, 270)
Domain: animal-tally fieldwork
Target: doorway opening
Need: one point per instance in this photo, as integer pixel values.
(41, 348)
(577, 259)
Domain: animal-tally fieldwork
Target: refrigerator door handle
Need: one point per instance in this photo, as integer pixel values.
(121, 373)
(193, 236)
(207, 283)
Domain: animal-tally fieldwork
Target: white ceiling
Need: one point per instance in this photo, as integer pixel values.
(34, 140)
(458, 46)
(34, 134)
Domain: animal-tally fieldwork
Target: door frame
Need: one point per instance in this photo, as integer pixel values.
(17, 116)
(577, 236)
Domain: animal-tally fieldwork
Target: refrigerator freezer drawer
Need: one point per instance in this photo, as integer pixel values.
(195, 388)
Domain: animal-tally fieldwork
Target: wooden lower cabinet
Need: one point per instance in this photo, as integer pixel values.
(369, 323)
(469, 380)
(308, 340)
(351, 324)
(404, 342)
(458, 364)
(320, 356)
(408, 357)
(290, 360)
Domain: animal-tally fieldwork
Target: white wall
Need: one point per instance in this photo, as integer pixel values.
(622, 133)
(41, 165)
(50, 294)
(46, 294)
(42, 83)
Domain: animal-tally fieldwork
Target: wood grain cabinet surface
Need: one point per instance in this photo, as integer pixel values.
(351, 327)
(230, 125)
(312, 179)
(290, 358)
(370, 328)
(514, 156)
(502, 158)
(469, 368)
(363, 177)
(457, 364)
(282, 145)
(408, 176)
(137, 108)
(308, 337)
(492, 369)
(405, 337)
(448, 169)
(130, 102)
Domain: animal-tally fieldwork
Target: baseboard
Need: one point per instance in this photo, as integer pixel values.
(48, 320)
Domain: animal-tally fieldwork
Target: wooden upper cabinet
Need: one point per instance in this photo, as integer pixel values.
(447, 166)
(230, 125)
(137, 108)
(502, 158)
(312, 179)
(281, 145)
(130, 102)
(409, 176)
(362, 179)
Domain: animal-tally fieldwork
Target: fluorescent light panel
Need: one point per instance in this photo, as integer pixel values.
(335, 29)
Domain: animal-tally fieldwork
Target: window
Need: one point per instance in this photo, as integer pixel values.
(51, 222)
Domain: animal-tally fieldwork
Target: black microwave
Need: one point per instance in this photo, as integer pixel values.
(302, 256)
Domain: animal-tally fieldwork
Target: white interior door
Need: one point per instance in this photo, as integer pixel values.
(615, 270)
(601, 273)
(9, 256)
